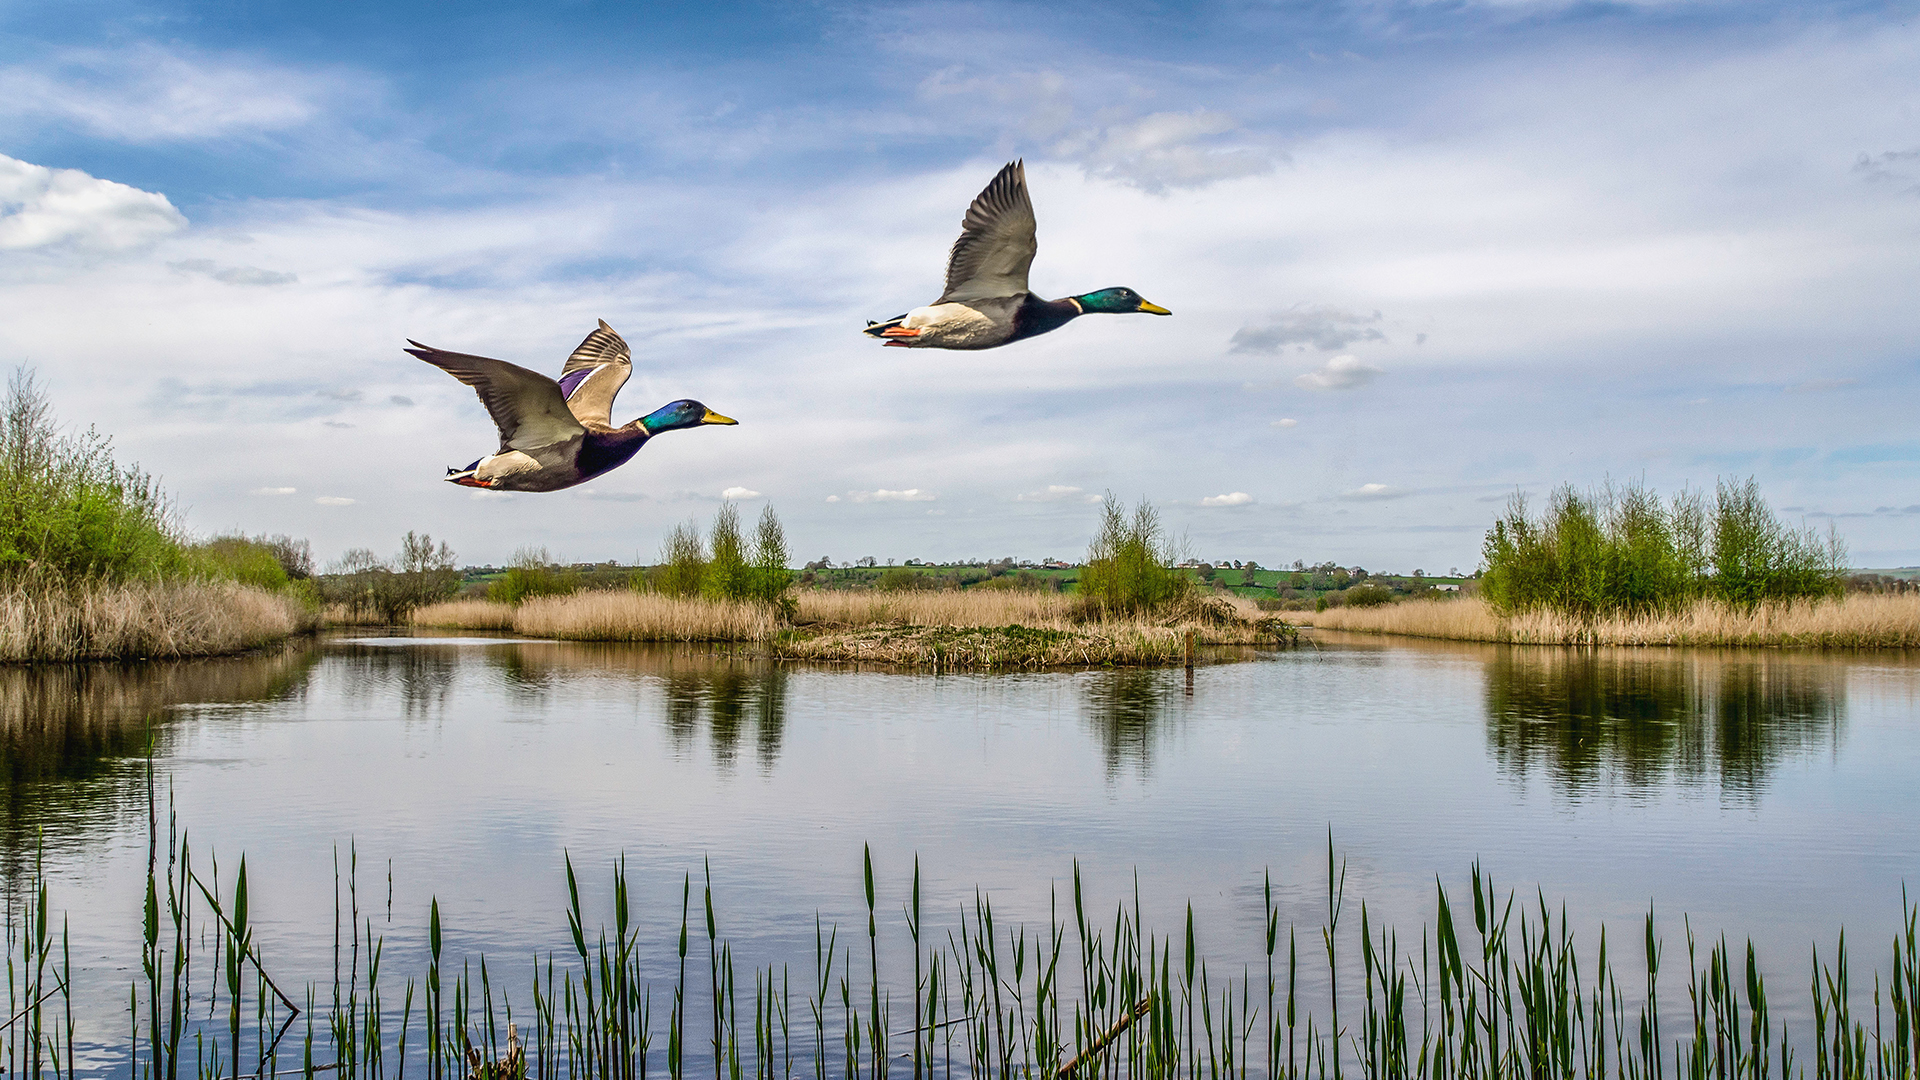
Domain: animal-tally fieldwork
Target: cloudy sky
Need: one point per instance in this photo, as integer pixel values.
(1420, 255)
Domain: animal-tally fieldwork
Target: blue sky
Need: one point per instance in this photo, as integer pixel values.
(1420, 256)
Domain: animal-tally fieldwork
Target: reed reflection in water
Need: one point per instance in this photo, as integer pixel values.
(1639, 718)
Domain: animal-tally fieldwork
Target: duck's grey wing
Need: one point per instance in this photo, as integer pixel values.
(526, 406)
(996, 243)
(594, 375)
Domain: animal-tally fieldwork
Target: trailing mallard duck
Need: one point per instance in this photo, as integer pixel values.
(987, 302)
(554, 435)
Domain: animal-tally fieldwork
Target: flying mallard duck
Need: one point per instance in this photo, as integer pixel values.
(987, 302)
(554, 435)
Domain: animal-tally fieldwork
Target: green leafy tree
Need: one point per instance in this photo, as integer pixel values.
(533, 573)
(683, 563)
(1129, 568)
(772, 578)
(729, 575)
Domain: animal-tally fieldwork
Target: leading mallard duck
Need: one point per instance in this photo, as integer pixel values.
(554, 435)
(987, 302)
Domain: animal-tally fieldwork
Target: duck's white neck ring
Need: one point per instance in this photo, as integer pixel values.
(1078, 308)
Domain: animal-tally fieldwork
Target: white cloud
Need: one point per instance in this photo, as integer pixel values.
(1344, 372)
(883, 495)
(333, 500)
(44, 208)
(739, 493)
(272, 491)
(833, 498)
(1324, 328)
(1373, 492)
(1234, 498)
(1057, 493)
(1285, 422)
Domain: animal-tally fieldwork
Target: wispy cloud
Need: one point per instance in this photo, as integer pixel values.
(233, 275)
(272, 491)
(1345, 372)
(1057, 493)
(1285, 422)
(333, 500)
(739, 493)
(884, 495)
(148, 93)
(1324, 328)
(1374, 492)
(1233, 498)
(1167, 150)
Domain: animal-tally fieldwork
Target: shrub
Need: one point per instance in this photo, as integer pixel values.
(237, 558)
(1623, 550)
(683, 563)
(533, 573)
(901, 579)
(731, 571)
(423, 573)
(729, 577)
(68, 512)
(1368, 596)
(1129, 564)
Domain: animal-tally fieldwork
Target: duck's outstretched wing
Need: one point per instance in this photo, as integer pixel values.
(996, 243)
(594, 374)
(526, 406)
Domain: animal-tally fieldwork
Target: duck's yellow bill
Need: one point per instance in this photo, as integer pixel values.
(715, 418)
(1152, 309)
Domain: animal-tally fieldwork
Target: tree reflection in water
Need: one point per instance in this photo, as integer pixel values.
(737, 696)
(73, 738)
(1128, 710)
(1594, 717)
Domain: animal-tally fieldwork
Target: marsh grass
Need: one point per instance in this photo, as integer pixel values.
(465, 614)
(630, 616)
(142, 619)
(1853, 621)
(1497, 987)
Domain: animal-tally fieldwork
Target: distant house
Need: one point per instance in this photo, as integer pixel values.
(1055, 564)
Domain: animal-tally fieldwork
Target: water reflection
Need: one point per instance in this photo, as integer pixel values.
(1127, 710)
(73, 736)
(1640, 718)
(739, 698)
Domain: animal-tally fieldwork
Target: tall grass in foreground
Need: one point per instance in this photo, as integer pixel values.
(630, 616)
(1854, 621)
(1509, 992)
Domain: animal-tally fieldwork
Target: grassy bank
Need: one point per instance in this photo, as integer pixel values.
(1498, 987)
(143, 620)
(1854, 621)
(972, 629)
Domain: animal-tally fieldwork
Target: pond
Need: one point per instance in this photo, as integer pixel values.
(1764, 793)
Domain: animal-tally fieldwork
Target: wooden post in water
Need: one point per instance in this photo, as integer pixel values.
(1189, 649)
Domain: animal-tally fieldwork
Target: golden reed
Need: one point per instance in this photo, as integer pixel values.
(1855, 621)
(142, 620)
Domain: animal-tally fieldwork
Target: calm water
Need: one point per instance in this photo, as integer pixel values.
(1764, 793)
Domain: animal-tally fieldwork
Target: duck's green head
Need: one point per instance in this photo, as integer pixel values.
(1118, 302)
(684, 413)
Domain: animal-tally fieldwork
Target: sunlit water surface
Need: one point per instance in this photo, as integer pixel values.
(1766, 794)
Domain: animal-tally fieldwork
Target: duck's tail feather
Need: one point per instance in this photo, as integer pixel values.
(879, 329)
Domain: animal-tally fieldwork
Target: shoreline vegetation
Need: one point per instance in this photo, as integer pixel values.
(1498, 986)
(1132, 607)
(94, 566)
(1853, 621)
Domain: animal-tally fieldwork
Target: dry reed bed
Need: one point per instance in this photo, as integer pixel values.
(466, 615)
(996, 628)
(143, 620)
(630, 616)
(1856, 621)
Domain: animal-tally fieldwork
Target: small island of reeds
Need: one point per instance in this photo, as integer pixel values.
(1130, 607)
